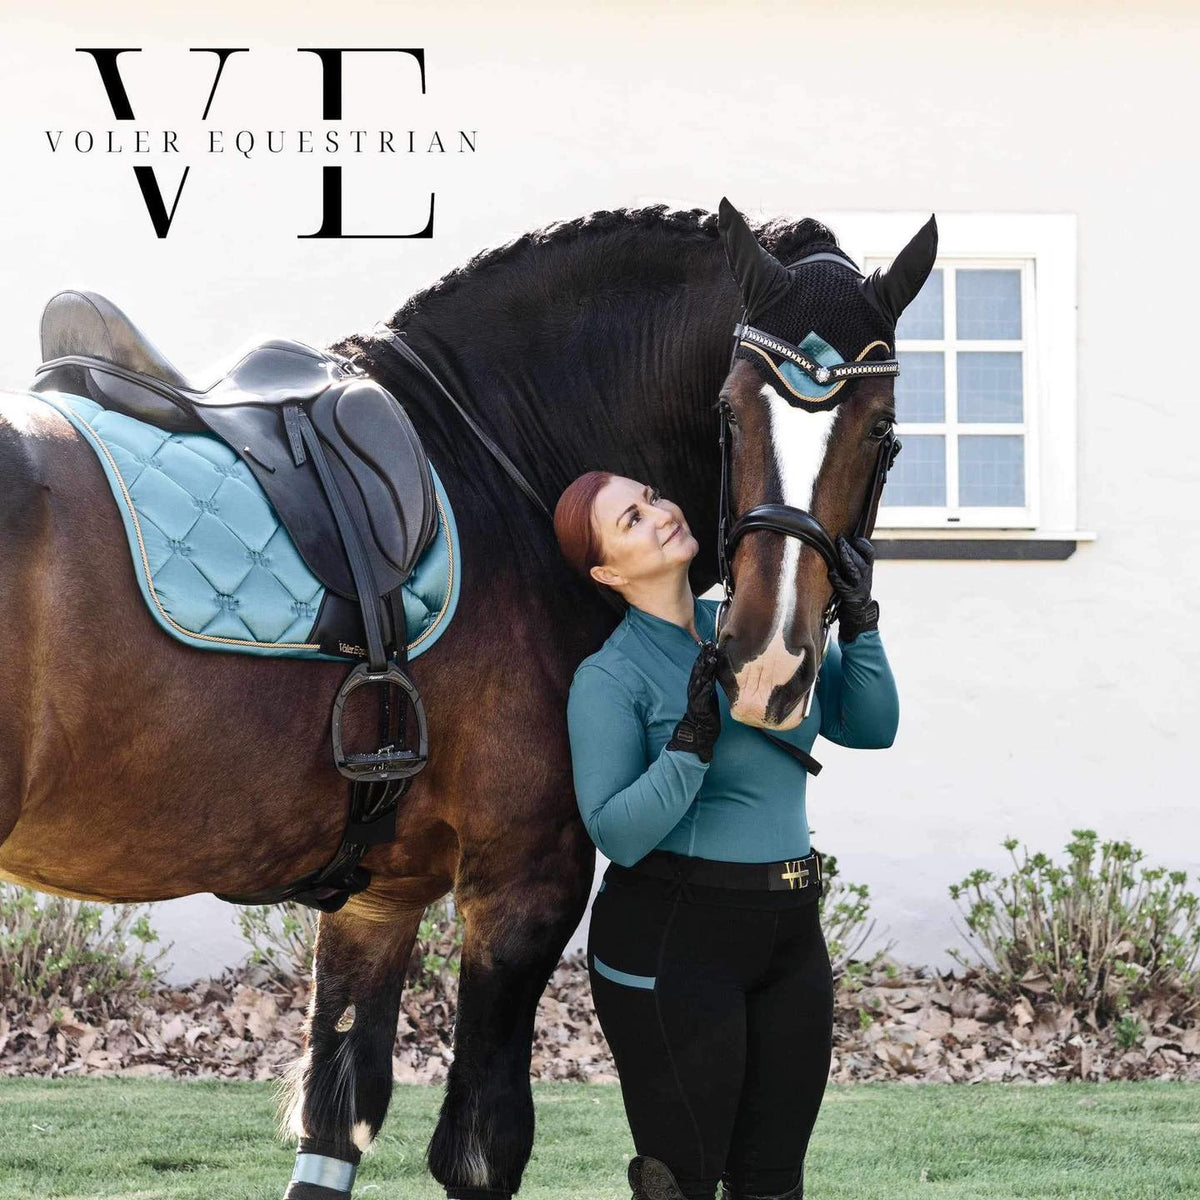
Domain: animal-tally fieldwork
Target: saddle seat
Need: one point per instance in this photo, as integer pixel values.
(85, 323)
(267, 409)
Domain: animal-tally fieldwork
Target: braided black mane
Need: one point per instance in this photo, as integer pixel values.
(785, 239)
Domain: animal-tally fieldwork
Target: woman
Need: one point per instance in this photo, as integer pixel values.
(709, 971)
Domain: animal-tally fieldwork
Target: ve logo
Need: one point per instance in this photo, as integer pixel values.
(331, 110)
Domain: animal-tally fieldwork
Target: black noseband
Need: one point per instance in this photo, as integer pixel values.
(792, 522)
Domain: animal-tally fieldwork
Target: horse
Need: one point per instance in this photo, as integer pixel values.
(134, 768)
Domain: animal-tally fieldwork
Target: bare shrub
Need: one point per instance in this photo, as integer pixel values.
(1093, 933)
(55, 952)
(281, 937)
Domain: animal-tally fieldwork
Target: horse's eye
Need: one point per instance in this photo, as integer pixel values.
(881, 428)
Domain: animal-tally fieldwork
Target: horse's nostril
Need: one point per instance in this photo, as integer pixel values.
(784, 698)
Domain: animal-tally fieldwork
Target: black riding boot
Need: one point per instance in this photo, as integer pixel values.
(795, 1193)
(652, 1179)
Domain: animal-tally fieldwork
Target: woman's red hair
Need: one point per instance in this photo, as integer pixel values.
(573, 524)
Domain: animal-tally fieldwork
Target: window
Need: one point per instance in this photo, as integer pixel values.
(962, 399)
(986, 401)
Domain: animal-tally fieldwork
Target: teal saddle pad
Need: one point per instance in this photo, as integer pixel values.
(216, 567)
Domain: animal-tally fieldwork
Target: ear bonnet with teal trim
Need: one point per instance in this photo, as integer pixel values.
(821, 305)
(828, 315)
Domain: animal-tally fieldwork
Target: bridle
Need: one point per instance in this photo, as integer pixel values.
(786, 519)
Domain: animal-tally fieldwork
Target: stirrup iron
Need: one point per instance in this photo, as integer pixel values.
(387, 762)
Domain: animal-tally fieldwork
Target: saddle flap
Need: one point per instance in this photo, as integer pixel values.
(379, 466)
(256, 434)
(383, 473)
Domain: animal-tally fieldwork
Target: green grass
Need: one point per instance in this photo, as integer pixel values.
(180, 1140)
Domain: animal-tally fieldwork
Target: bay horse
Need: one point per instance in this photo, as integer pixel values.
(134, 768)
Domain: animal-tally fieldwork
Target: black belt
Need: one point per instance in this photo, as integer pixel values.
(790, 874)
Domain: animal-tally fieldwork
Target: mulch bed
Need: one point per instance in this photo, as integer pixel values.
(901, 1024)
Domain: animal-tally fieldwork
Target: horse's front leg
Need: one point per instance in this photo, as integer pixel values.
(335, 1096)
(521, 896)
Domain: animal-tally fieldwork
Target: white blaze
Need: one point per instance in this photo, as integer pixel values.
(798, 441)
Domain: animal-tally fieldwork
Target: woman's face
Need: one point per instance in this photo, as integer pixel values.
(642, 535)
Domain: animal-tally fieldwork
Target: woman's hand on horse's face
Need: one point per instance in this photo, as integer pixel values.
(853, 582)
(642, 534)
(700, 725)
(857, 612)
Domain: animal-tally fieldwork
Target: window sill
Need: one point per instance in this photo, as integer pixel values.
(1037, 545)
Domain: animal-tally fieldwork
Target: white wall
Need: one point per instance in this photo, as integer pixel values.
(1036, 697)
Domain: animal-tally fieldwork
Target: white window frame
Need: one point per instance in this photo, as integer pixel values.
(950, 429)
(1044, 246)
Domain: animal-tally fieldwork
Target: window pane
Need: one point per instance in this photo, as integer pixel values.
(988, 304)
(919, 476)
(923, 316)
(989, 386)
(991, 471)
(921, 386)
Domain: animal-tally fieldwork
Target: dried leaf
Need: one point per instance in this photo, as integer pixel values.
(1022, 1011)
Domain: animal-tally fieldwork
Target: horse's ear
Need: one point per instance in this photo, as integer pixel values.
(760, 276)
(892, 289)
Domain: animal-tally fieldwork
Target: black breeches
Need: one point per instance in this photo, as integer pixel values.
(717, 1004)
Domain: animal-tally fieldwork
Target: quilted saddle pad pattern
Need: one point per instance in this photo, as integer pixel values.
(215, 566)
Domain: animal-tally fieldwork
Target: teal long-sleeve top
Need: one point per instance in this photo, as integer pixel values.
(748, 803)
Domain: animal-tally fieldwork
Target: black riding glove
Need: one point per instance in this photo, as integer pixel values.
(857, 612)
(701, 723)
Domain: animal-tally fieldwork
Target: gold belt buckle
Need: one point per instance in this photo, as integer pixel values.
(793, 871)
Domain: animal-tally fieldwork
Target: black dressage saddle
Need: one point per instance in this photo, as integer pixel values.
(334, 451)
(90, 347)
